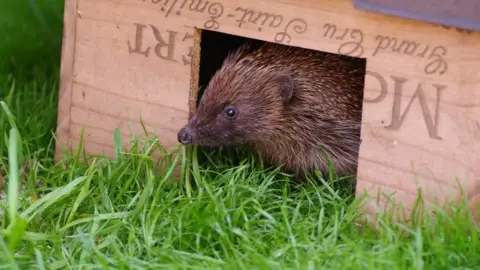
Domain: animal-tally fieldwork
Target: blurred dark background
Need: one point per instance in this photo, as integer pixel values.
(30, 37)
(30, 51)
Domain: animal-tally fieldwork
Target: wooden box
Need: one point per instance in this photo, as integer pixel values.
(421, 112)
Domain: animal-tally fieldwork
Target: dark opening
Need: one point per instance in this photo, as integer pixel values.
(214, 47)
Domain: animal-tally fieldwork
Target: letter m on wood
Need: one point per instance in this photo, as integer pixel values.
(398, 117)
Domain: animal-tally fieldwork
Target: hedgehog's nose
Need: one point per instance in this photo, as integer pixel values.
(184, 136)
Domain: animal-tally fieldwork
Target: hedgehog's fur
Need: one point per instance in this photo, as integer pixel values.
(294, 105)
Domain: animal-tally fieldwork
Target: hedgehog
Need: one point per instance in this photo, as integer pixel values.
(299, 109)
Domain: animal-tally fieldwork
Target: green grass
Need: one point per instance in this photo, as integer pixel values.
(121, 214)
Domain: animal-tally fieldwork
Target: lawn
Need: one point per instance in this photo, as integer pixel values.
(120, 214)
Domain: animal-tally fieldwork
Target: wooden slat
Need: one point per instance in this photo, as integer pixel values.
(66, 73)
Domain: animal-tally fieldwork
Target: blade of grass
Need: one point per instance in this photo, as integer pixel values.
(8, 254)
(13, 177)
(50, 198)
(83, 192)
(118, 144)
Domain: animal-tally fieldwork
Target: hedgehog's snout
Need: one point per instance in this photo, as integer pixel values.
(184, 136)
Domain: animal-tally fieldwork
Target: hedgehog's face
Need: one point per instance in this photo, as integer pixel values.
(225, 124)
(233, 112)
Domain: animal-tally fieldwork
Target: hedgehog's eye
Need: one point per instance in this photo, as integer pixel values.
(230, 112)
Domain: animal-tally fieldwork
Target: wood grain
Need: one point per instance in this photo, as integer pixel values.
(421, 114)
(66, 73)
(194, 72)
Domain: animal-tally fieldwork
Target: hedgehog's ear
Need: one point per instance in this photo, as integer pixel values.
(285, 86)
